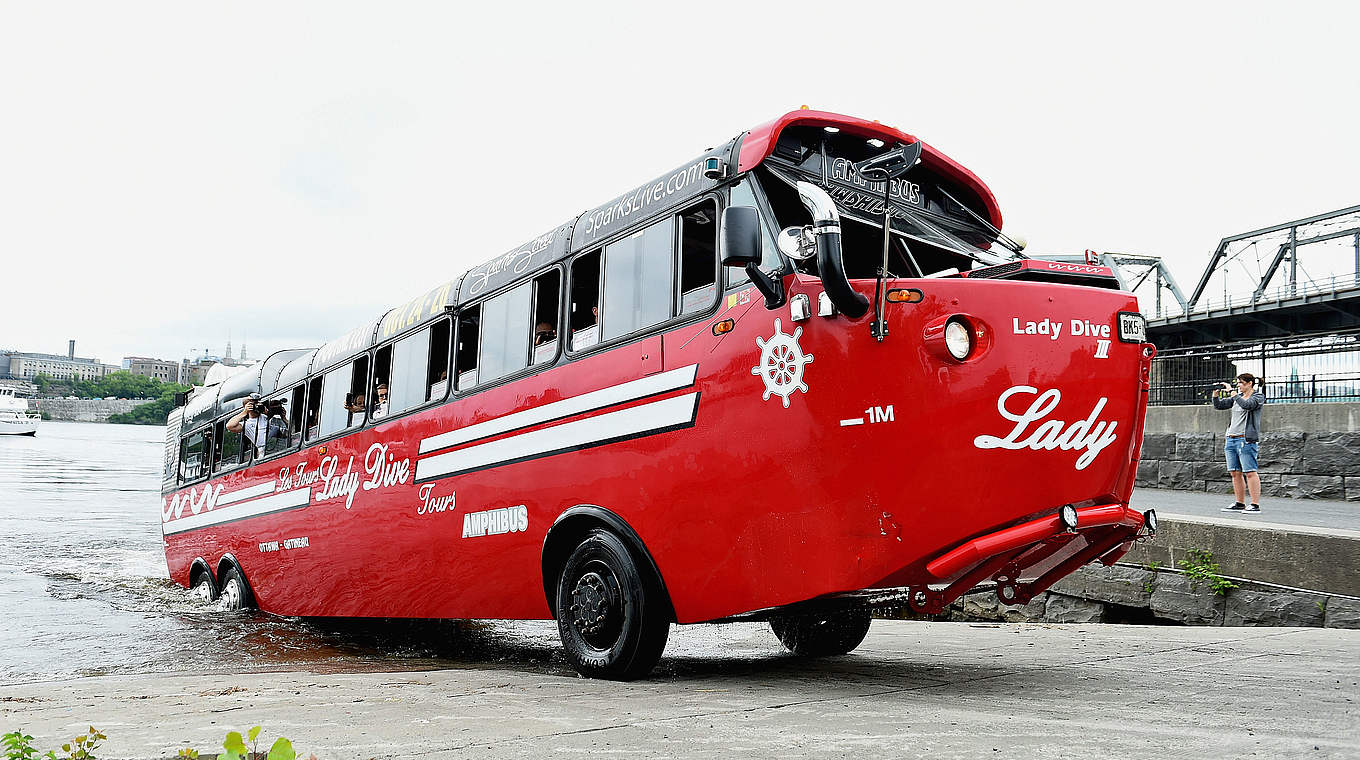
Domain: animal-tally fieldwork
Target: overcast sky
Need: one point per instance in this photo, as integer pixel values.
(171, 172)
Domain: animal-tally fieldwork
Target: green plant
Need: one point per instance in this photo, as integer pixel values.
(236, 749)
(1150, 584)
(83, 747)
(1200, 566)
(19, 746)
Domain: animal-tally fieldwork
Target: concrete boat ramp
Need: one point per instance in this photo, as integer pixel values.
(914, 689)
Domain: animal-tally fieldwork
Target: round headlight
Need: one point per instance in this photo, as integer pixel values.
(958, 339)
(1150, 520)
(1068, 515)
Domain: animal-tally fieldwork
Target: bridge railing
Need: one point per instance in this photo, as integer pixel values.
(1330, 285)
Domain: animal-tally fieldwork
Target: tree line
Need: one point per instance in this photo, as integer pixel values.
(121, 384)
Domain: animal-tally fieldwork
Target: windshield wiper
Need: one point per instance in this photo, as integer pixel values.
(1001, 237)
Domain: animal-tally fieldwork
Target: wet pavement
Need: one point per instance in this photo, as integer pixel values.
(914, 689)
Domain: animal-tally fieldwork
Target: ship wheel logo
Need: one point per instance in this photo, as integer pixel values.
(781, 364)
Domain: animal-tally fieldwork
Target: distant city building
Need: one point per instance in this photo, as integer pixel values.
(25, 365)
(160, 369)
(193, 371)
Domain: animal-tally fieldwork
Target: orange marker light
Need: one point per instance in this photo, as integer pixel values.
(905, 295)
(724, 326)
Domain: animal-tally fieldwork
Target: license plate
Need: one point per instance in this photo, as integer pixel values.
(1132, 327)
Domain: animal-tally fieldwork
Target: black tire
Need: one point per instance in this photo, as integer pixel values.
(233, 593)
(613, 619)
(822, 635)
(202, 587)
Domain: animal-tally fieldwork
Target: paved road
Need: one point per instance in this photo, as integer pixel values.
(1317, 513)
(914, 689)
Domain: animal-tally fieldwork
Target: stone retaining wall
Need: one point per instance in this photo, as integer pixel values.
(1098, 594)
(1298, 465)
(84, 409)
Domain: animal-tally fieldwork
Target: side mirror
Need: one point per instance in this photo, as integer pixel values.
(741, 248)
(740, 236)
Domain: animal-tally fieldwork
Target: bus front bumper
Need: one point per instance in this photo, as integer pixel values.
(1024, 560)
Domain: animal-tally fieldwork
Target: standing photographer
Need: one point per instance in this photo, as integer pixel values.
(1242, 440)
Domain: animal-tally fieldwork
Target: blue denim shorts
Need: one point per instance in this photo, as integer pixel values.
(1241, 454)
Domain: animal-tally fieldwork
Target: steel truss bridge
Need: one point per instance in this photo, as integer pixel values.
(1281, 302)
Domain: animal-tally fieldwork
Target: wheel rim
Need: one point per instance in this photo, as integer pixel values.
(231, 595)
(202, 591)
(597, 606)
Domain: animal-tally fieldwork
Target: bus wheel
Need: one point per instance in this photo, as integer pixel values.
(822, 635)
(234, 594)
(203, 588)
(612, 621)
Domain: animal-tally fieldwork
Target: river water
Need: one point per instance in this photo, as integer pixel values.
(84, 589)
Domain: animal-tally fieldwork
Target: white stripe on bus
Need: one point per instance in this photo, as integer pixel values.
(617, 394)
(298, 497)
(654, 417)
(259, 489)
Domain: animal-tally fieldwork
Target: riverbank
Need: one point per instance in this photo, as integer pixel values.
(85, 409)
(913, 688)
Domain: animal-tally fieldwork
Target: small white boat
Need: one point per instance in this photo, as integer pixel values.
(15, 418)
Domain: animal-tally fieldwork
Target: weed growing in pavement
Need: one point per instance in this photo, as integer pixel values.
(1150, 584)
(19, 746)
(235, 746)
(1200, 566)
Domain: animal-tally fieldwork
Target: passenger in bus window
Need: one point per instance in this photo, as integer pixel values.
(259, 423)
(357, 407)
(380, 409)
(544, 334)
(438, 387)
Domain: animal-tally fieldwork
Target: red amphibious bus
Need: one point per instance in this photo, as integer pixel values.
(795, 377)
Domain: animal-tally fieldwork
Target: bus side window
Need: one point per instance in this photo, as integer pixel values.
(437, 372)
(356, 402)
(410, 366)
(380, 394)
(278, 431)
(194, 456)
(506, 330)
(742, 195)
(698, 257)
(639, 276)
(585, 301)
(314, 408)
(469, 334)
(296, 416)
(547, 289)
(342, 396)
(228, 454)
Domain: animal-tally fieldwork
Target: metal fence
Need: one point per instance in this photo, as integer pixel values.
(1296, 371)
